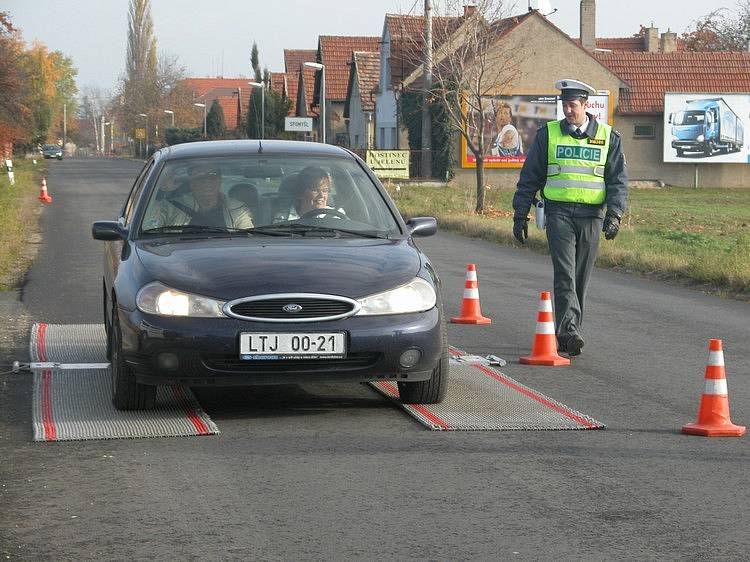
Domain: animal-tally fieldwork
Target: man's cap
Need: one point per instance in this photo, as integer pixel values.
(573, 89)
(204, 170)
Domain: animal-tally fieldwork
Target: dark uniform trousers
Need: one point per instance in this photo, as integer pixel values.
(573, 243)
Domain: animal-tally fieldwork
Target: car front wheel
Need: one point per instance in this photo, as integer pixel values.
(431, 391)
(127, 394)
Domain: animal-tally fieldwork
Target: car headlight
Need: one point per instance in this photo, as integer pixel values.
(415, 296)
(700, 138)
(159, 299)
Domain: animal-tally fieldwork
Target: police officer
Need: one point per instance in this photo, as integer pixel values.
(579, 166)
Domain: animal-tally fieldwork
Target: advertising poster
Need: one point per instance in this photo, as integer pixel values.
(706, 128)
(599, 105)
(508, 125)
(389, 164)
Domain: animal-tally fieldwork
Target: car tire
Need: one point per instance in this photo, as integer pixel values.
(127, 394)
(431, 391)
(107, 328)
(680, 152)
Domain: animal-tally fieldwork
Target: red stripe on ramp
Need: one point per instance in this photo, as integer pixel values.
(48, 421)
(194, 418)
(41, 346)
(534, 396)
(422, 410)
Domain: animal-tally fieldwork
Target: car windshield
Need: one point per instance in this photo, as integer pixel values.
(689, 117)
(283, 195)
(50, 147)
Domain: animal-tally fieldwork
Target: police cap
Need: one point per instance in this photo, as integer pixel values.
(573, 89)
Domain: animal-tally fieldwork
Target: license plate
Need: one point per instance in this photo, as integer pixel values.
(274, 346)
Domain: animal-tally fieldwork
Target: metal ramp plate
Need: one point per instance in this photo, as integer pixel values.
(480, 398)
(75, 404)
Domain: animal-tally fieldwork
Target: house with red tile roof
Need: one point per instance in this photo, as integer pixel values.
(335, 53)
(636, 72)
(359, 110)
(401, 45)
(293, 61)
(231, 93)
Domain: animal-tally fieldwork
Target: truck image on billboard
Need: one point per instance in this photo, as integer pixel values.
(706, 128)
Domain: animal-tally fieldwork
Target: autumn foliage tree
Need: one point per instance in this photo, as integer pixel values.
(720, 30)
(35, 85)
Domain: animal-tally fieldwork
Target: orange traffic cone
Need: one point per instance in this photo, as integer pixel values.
(44, 197)
(471, 312)
(544, 348)
(713, 413)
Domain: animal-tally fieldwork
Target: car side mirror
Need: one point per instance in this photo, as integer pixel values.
(422, 226)
(670, 117)
(108, 230)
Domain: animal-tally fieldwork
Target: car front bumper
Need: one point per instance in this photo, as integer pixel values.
(205, 351)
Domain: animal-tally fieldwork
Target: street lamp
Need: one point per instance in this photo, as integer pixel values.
(203, 105)
(322, 68)
(262, 87)
(146, 116)
(171, 113)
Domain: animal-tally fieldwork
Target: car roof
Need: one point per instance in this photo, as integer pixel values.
(251, 147)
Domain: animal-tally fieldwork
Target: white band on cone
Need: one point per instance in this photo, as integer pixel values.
(545, 328)
(716, 358)
(471, 293)
(715, 386)
(471, 275)
(545, 306)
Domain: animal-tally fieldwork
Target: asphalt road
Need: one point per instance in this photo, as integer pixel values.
(325, 472)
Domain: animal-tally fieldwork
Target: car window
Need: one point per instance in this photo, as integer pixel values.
(135, 192)
(265, 191)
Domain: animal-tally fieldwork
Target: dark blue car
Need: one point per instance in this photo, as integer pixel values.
(240, 263)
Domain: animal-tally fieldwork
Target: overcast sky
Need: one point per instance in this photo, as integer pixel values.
(213, 38)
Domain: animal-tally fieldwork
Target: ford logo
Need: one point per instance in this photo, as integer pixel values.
(291, 308)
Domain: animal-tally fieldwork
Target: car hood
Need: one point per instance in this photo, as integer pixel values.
(232, 268)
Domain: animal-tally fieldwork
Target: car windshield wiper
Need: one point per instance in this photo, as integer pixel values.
(192, 229)
(293, 228)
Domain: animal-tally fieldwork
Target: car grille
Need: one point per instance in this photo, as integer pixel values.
(272, 308)
(232, 363)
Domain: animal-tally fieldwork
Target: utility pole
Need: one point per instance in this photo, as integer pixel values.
(104, 145)
(427, 73)
(65, 125)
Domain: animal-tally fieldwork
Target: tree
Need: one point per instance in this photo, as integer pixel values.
(720, 30)
(215, 127)
(255, 62)
(140, 85)
(468, 66)
(13, 110)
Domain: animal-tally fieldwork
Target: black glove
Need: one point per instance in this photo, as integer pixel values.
(611, 225)
(521, 229)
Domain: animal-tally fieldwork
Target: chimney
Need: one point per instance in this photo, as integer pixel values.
(747, 43)
(668, 42)
(469, 9)
(651, 39)
(588, 24)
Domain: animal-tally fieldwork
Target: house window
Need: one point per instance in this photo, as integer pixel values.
(356, 141)
(381, 144)
(394, 140)
(644, 131)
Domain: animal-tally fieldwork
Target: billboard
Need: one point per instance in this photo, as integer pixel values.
(706, 128)
(509, 125)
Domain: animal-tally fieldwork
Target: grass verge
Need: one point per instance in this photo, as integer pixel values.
(19, 211)
(698, 236)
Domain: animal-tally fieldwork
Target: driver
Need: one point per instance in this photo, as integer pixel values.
(204, 205)
(312, 192)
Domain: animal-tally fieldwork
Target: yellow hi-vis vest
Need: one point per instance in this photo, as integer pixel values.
(575, 167)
